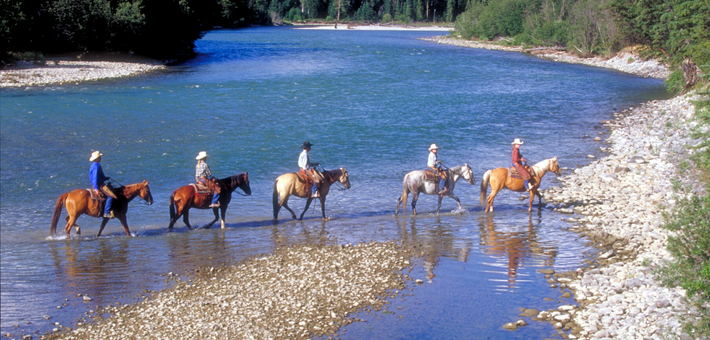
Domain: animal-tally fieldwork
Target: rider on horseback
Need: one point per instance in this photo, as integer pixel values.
(309, 169)
(97, 177)
(204, 175)
(435, 165)
(517, 163)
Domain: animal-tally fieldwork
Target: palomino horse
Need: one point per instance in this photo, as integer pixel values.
(499, 179)
(290, 184)
(416, 183)
(185, 198)
(79, 202)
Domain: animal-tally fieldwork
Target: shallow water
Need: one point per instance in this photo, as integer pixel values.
(370, 101)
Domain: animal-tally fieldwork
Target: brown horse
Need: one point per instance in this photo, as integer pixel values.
(79, 202)
(185, 198)
(499, 179)
(290, 184)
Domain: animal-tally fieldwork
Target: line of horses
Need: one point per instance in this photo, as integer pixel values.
(79, 202)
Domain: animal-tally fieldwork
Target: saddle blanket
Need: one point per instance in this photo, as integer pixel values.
(431, 176)
(513, 172)
(201, 189)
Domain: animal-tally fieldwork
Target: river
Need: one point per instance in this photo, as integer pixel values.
(369, 101)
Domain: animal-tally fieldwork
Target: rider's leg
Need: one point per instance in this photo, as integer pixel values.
(527, 185)
(107, 208)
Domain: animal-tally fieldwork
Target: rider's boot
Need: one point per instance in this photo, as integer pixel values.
(314, 191)
(528, 186)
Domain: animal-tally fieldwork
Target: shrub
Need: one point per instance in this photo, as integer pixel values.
(387, 18)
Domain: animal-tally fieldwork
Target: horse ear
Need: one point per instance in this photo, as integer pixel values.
(145, 182)
(555, 158)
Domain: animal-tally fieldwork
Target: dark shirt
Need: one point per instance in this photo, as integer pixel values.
(517, 156)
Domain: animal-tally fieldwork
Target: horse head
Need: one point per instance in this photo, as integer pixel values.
(145, 194)
(554, 167)
(344, 178)
(244, 183)
(468, 174)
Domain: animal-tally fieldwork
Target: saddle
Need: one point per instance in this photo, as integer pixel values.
(200, 189)
(100, 200)
(432, 176)
(306, 179)
(513, 172)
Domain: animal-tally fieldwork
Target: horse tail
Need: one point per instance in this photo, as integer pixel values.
(172, 206)
(484, 186)
(405, 195)
(57, 212)
(275, 198)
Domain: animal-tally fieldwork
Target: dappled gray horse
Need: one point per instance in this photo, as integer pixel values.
(415, 182)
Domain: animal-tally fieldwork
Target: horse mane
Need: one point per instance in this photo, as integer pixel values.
(544, 168)
(332, 174)
(232, 180)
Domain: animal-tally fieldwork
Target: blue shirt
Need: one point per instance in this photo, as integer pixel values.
(96, 175)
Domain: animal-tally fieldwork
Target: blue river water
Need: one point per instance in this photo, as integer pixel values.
(369, 101)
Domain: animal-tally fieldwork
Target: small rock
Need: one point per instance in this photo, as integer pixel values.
(511, 326)
(662, 303)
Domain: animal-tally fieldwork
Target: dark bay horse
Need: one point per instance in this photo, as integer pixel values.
(416, 183)
(185, 198)
(79, 202)
(499, 179)
(290, 184)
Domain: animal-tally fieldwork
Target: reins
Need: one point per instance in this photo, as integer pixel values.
(138, 196)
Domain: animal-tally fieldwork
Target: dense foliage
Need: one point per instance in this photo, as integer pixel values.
(168, 28)
(690, 221)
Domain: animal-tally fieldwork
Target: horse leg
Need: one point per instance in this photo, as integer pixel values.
(70, 222)
(103, 224)
(322, 207)
(451, 194)
(308, 204)
(438, 206)
(415, 197)
(216, 217)
(491, 197)
(186, 218)
(223, 209)
(124, 223)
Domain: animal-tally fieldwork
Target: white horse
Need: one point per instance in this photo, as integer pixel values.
(416, 183)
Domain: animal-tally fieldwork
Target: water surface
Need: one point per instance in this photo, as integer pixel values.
(370, 101)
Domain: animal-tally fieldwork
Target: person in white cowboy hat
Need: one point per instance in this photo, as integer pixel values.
(304, 162)
(435, 165)
(517, 163)
(97, 178)
(204, 175)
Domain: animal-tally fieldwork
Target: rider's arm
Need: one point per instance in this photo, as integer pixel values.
(432, 160)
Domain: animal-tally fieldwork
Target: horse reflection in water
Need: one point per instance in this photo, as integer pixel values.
(515, 245)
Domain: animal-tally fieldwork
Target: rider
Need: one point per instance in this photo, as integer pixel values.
(435, 165)
(517, 163)
(309, 169)
(97, 177)
(204, 175)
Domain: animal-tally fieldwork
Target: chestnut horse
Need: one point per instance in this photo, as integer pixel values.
(290, 184)
(499, 179)
(79, 202)
(185, 198)
(416, 183)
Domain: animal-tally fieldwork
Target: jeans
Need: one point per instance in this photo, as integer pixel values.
(109, 202)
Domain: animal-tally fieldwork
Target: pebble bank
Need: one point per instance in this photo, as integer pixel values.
(297, 293)
(625, 61)
(62, 72)
(617, 202)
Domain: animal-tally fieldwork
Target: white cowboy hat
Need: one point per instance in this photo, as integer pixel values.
(433, 146)
(201, 155)
(517, 141)
(95, 155)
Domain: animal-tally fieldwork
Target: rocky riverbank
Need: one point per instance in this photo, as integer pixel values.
(617, 203)
(627, 61)
(297, 293)
(61, 72)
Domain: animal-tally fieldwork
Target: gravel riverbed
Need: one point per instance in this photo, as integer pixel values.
(617, 202)
(62, 72)
(297, 293)
(626, 61)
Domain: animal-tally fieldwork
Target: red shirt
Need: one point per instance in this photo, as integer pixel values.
(517, 157)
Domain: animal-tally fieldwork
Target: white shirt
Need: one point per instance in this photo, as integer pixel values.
(432, 160)
(303, 160)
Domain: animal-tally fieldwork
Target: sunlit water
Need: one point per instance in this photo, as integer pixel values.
(369, 101)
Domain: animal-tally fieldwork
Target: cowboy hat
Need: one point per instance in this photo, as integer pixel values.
(306, 145)
(201, 155)
(433, 146)
(95, 155)
(517, 141)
